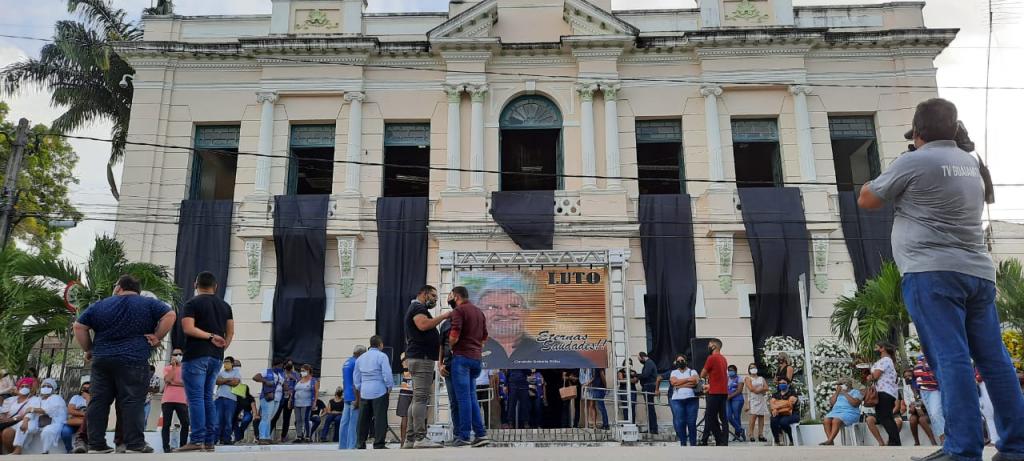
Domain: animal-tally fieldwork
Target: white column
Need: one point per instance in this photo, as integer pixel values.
(266, 146)
(716, 169)
(476, 160)
(803, 133)
(586, 91)
(611, 134)
(355, 141)
(454, 137)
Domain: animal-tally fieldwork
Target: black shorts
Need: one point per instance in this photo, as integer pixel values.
(404, 401)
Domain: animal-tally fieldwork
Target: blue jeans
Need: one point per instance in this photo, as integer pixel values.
(244, 419)
(267, 410)
(519, 407)
(347, 431)
(225, 410)
(145, 413)
(453, 403)
(330, 420)
(734, 412)
(200, 375)
(956, 317)
(465, 371)
(684, 419)
(67, 435)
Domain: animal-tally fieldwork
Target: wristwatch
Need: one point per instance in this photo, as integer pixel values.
(211, 337)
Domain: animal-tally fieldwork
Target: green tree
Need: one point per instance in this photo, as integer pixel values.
(106, 263)
(1010, 294)
(83, 74)
(46, 176)
(875, 313)
(30, 309)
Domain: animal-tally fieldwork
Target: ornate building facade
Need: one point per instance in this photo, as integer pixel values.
(601, 107)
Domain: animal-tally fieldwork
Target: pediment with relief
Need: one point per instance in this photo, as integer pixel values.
(586, 18)
(473, 23)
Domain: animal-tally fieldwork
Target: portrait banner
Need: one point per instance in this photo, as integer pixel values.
(550, 318)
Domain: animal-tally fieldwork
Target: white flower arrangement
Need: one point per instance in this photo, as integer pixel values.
(775, 345)
(912, 346)
(822, 394)
(831, 360)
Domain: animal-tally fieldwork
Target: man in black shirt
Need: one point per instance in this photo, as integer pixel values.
(209, 328)
(421, 351)
(650, 381)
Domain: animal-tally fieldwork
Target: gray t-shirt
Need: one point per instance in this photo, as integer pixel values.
(939, 198)
(224, 390)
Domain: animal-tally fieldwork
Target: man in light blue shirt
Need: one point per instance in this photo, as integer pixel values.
(373, 381)
(350, 415)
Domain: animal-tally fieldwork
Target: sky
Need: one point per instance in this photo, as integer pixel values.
(961, 65)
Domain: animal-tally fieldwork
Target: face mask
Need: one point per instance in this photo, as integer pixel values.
(24, 391)
(289, 367)
(680, 364)
(783, 387)
(177, 357)
(304, 374)
(451, 302)
(431, 303)
(732, 374)
(843, 387)
(85, 390)
(753, 371)
(46, 390)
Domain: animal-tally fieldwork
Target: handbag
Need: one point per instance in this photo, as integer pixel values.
(567, 392)
(45, 420)
(782, 407)
(870, 397)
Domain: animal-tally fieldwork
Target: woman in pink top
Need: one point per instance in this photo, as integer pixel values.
(174, 401)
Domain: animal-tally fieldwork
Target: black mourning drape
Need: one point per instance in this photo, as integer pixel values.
(666, 243)
(300, 300)
(401, 265)
(204, 244)
(780, 247)
(867, 234)
(528, 217)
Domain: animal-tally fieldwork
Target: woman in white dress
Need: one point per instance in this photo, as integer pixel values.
(758, 399)
(45, 419)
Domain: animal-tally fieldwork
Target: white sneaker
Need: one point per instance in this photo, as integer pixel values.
(427, 443)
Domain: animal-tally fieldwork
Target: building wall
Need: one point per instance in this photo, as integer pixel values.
(176, 93)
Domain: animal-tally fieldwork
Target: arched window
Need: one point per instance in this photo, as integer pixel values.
(531, 144)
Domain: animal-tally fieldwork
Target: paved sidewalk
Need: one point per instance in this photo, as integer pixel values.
(759, 453)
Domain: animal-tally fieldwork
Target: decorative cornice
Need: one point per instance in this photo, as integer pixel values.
(610, 90)
(588, 19)
(454, 92)
(474, 22)
(596, 53)
(734, 52)
(478, 92)
(466, 56)
(586, 90)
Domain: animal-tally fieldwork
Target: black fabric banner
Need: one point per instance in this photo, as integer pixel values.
(666, 243)
(868, 234)
(300, 299)
(780, 246)
(528, 217)
(401, 265)
(204, 244)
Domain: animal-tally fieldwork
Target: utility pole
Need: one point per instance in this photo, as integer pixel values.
(9, 195)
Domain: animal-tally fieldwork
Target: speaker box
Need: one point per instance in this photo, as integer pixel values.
(699, 350)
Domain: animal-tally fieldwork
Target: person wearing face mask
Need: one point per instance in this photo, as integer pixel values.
(332, 416)
(14, 411)
(45, 418)
(173, 401)
(716, 372)
(422, 343)
(225, 401)
(209, 327)
(303, 396)
(845, 402)
(684, 401)
(73, 432)
(883, 373)
(785, 410)
(284, 410)
(757, 386)
(734, 407)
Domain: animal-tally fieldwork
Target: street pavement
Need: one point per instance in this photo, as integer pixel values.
(645, 453)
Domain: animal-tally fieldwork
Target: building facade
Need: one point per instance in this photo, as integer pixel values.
(600, 106)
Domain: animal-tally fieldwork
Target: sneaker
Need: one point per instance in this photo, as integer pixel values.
(101, 451)
(459, 443)
(80, 448)
(939, 455)
(209, 448)
(190, 448)
(427, 443)
(263, 442)
(121, 449)
(145, 449)
(408, 444)
(481, 442)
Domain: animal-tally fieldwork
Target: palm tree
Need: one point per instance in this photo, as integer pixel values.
(106, 263)
(875, 313)
(29, 311)
(83, 74)
(163, 7)
(1010, 294)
